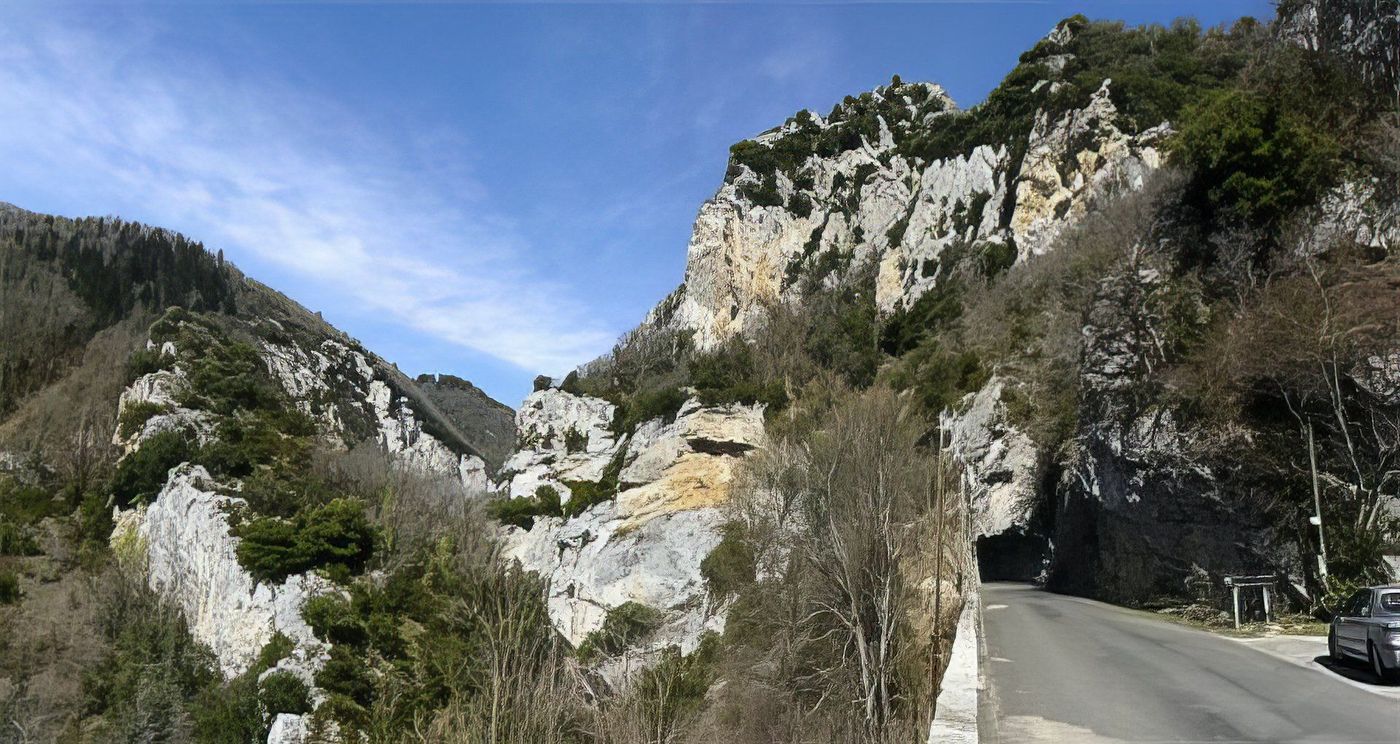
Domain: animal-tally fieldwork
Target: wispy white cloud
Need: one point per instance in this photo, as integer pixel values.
(268, 171)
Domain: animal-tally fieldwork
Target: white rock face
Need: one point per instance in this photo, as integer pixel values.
(647, 545)
(1000, 462)
(287, 729)
(191, 559)
(594, 565)
(1352, 212)
(313, 378)
(743, 257)
(163, 388)
(550, 422)
(1070, 163)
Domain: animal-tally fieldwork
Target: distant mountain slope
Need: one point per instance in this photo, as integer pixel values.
(79, 294)
(480, 419)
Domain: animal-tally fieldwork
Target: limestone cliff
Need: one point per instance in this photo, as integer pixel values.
(890, 188)
(645, 543)
(872, 206)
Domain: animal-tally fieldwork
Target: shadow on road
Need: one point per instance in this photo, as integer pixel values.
(1353, 671)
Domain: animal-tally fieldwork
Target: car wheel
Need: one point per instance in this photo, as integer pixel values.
(1332, 649)
(1385, 675)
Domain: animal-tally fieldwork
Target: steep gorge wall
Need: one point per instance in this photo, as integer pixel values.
(646, 543)
(871, 207)
(183, 542)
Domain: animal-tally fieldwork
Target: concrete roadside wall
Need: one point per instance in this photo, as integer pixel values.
(959, 694)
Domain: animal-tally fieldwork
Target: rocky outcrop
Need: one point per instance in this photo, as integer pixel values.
(339, 387)
(872, 206)
(1003, 470)
(561, 437)
(183, 541)
(1139, 512)
(482, 421)
(645, 545)
(1000, 463)
(1071, 162)
(190, 558)
(160, 393)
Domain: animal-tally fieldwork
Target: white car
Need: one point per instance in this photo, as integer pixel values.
(1367, 628)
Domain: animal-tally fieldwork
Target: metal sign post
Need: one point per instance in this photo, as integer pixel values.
(1264, 583)
(1316, 519)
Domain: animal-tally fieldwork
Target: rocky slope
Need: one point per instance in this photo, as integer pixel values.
(118, 365)
(78, 298)
(794, 218)
(1122, 510)
(869, 206)
(184, 535)
(645, 543)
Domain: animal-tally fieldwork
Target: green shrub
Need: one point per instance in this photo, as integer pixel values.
(522, 512)
(346, 674)
(673, 692)
(231, 376)
(994, 258)
(943, 377)
(284, 692)
(514, 512)
(230, 713)
(250, 440)
(800, 205)
(241, 710)
(152, 668)
(549, 500)
(575, 440)
(16, 539)
(585, 494)
(143, 362)
(935, 309)
(27, 504)
(844, 334)
(95, 520)
(276, 649)
(135, 415)
(1253, 160)
(142, 474)
(730, 566)
(623, 626)
(764, 193)
(333, 620)
(9, 587)
(660, 402)
(1155, 71)
(730, 375)
(335, 537)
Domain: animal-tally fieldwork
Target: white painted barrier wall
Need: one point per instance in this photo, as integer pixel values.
(955, 712)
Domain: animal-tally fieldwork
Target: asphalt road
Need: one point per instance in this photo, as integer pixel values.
(1065, 669)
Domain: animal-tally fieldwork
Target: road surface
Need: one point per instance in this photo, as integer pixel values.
(1065, 669)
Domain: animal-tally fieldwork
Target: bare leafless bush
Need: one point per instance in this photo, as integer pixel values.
(842, 521)
(531, 692)
(415, 508)
(1027, 324)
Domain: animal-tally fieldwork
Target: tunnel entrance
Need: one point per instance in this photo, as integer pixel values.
(1012, 556)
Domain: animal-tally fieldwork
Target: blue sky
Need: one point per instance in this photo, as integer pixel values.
(491, 190)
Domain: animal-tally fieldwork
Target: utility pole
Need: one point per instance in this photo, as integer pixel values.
(1316, 519)
(935, 655)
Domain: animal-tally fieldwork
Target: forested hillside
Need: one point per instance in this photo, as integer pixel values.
(128, 351)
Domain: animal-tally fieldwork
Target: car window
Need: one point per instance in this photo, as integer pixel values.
(1390, 603)
(1355, 607)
